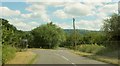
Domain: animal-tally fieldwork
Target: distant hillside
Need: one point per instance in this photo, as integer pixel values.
(81, 31)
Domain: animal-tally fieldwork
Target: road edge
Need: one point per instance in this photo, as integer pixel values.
(33, 59)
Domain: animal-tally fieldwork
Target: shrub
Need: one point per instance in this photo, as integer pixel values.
(8, 52)
(107, 51)
(91, 48)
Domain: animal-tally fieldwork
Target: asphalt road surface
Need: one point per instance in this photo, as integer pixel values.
(61, 56)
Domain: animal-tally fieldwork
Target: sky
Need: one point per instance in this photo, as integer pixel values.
(29, 14)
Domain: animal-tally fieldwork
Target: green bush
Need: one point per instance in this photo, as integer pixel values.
(107, 51)
(8, 52)
(90, 48)
(48, 36)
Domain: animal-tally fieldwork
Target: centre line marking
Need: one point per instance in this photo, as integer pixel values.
(67, 59)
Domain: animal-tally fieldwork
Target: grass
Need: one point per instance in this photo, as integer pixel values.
(90, 48)
(26, 57)
(98, 57)
(98, 52)
(8, 52)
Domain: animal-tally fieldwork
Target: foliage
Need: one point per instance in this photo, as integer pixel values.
(87, 38)
(94, 37)
(93, 48)
(12, 36)
(81, 31)
(48, 36)
(8, 52)
(72, 38)
(7, 31)
(11, 39)
(112, 27)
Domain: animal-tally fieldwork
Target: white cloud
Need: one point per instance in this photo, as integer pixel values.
(106, 10)
(109, 8)
(26, 15)
(97, 1)
(37, 11)
(69, 0)
(53, 0)
(68, 10)
(59, 0)
(77, 9)
(64, 25)
(89, 25)
(61, 14)
(54, 4)
(82, 24)
(21, 25)
(5, 11)
(36, 7)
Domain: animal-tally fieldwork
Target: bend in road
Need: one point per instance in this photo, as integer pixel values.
(61, 56)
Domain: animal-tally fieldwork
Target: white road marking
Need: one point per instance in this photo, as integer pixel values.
(67, 59)
(74, 64)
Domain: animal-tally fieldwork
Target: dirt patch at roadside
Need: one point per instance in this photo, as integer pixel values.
(22, 58)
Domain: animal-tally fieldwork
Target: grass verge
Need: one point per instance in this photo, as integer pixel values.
(8, 53)
(25, 57)
(99, 58)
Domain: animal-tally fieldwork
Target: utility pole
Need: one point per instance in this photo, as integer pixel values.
(74, 33)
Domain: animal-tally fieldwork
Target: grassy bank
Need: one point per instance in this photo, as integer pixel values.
(98, 57)
(26, 57)
(98, 52)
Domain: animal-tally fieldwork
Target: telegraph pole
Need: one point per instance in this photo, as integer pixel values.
(74, 33)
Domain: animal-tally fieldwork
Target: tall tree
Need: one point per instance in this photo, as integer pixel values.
(112, 27)
(48, 36)
(10, 34)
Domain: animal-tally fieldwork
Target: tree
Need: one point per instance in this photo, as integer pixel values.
(112, 27)
(71, 38)
(48, 36)
(12, 36)
(95, 37)
(8, 31)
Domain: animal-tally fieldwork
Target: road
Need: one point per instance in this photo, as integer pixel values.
(61, 56)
